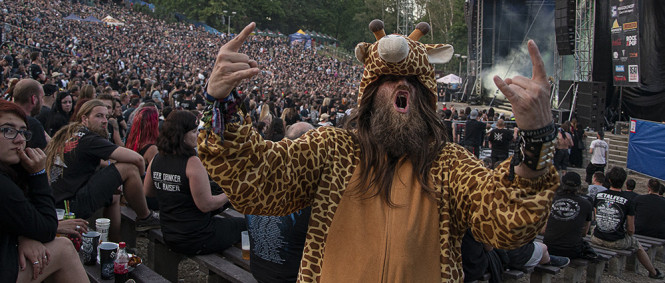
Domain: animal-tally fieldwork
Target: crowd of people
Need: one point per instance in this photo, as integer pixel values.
(105, 115)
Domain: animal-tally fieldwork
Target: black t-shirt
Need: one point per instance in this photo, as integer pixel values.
(38, 139)
(183, 224)
(474, 132)
(83, 152)
(449, 129)
(188, 104)
(649, 215)
(500, 139)
(612, 209)
(35, 71)
(630, 195)
(277, 244)
(569, 214)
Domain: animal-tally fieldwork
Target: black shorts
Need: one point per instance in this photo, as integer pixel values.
(97, 192)
(226, 232)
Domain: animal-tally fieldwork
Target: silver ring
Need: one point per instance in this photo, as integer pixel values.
(35, 263)
(78, 227)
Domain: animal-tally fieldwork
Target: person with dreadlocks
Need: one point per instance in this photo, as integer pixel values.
(391, 198)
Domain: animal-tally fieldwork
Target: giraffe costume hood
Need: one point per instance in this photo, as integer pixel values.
(402, 56)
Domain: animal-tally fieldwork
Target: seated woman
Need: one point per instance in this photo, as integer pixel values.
(178, 178)
(28, 250)
(60, 113)
(142, 139)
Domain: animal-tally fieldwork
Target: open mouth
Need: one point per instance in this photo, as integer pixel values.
(402, 101)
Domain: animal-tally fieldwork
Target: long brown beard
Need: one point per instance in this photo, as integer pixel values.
(102, 131)
(399, 134)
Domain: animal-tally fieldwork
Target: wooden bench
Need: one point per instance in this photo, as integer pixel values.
(141, 274)
(128, 232)
(219, 268)
(657, 247)
(573, 272)
(512, 275)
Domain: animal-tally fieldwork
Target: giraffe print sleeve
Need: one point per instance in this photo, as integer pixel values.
(263, 177)
(501, 213)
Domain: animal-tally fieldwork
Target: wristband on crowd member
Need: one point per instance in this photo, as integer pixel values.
(222, 112)
(43, 171)
(211, 99)
(535, 149)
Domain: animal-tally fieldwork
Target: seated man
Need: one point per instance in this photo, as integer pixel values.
(532, 254)
(615, 221)
(73, 160)
(650, 212)
(569, 220)
(597, 184)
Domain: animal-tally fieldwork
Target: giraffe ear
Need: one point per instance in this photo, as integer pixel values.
(361, 51)
(439, 53)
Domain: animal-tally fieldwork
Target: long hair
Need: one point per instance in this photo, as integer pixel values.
(77, 108)
(57, 105)
(172, 135)
(87, 91)
(374, 159)
(15, 173)
(144, 129)
(56, 147)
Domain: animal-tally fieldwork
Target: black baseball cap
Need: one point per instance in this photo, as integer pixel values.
(571, 179)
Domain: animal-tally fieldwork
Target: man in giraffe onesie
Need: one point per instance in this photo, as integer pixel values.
(391, 198)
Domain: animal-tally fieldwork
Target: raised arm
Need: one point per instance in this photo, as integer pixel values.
(231, 67)
(530, 101)
(503, 210)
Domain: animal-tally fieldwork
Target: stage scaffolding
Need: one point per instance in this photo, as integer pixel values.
(405, 14)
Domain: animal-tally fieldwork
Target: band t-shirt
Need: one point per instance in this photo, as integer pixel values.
(277, 244)
(600, 148)
(500, 139)
(649, 214)
(612, 209)
(569, 214)
(82, 154)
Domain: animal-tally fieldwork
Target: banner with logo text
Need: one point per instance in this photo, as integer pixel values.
(625, 50)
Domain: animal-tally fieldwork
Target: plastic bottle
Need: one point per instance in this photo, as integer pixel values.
(121, 264)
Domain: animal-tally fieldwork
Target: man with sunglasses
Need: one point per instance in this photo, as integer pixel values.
(29, 95)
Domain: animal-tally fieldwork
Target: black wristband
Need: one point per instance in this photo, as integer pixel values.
(548, 130)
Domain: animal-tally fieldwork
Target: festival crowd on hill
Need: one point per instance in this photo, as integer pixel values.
(100, 96)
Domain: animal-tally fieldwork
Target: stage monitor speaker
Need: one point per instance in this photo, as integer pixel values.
(564, 26)
(590, 106)
(560, 115)
(566, 87)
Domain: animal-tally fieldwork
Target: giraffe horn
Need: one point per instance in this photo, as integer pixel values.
(376, 26)
(422, 29)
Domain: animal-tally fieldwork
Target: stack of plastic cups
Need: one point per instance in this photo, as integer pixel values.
(102, 225)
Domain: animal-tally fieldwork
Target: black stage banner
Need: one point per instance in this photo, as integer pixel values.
(624, 18)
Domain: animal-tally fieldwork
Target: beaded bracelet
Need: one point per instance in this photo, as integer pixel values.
(43, 171)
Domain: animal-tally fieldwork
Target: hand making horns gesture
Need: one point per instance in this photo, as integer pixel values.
(530, 98)
(231, 67)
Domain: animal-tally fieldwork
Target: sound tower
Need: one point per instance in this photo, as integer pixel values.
(564, 25)
(590, 106)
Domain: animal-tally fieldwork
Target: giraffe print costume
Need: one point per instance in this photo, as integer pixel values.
(277, 178)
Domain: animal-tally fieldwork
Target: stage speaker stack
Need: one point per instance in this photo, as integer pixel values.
(564, 25)
(590, 106)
